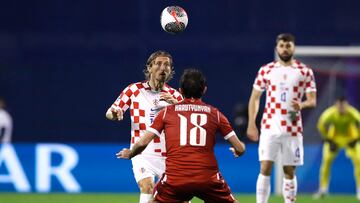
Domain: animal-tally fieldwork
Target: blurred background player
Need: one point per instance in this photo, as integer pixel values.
(145, 99)
(339, 126)
(285, 81)
(190, 129)
(6, 123)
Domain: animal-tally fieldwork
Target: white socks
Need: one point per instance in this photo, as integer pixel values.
(289, 190)
(262, 189)
(145, 198)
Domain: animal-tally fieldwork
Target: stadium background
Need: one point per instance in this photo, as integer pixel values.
(62, 63)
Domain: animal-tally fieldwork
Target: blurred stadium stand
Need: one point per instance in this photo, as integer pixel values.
(62, 63)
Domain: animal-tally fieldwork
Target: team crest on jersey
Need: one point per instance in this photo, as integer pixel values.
(156, 102)
(142, 170)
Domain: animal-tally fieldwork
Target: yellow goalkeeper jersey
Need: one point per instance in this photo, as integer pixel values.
(341, 128)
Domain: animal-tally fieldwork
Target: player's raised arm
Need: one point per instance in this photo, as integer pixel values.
(138, 146)
(254, 102)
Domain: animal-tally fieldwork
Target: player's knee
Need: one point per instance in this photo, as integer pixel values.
(265, 171)
(146, 187)
(265, 168)
(289, 172)
(327, 160)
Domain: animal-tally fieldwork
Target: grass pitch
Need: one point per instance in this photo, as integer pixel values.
(133, 198)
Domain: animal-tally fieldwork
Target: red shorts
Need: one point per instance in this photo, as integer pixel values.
(211, 190)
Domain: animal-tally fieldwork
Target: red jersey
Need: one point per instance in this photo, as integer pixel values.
(190, 128)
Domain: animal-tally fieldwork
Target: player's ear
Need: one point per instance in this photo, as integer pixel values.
(204, 91)
(148, 67)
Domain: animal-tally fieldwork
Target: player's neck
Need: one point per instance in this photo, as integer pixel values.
(193, 99)
(286, 63)
(156, 85)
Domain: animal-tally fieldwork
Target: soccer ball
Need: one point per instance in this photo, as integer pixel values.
(174, 19)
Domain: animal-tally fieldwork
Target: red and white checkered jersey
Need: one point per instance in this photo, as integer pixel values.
(283, 84)
(144, 105)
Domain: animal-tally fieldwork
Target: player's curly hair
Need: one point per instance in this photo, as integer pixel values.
(192, 83)
(151, 60)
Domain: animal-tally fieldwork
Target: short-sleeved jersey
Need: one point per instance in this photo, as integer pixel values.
(283, 84)
(190, 128)
(144, 105)
(332, 124)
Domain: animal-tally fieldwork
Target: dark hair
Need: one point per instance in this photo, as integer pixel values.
(192, 83)
(152, 57)
(286, 37)
(341, 98)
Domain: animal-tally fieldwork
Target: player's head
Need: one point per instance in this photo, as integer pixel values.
(341, 104)
(159, 66)
(192, 84)
(285, 46)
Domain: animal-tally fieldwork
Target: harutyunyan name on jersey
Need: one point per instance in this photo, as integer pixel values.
(144, 105)
(283, 84)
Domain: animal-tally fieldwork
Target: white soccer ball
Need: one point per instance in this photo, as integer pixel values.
(174, 19)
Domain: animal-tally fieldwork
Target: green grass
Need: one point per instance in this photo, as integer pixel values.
(133, 198)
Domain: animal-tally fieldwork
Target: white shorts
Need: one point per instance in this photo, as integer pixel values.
(290, 147)
(144, 167)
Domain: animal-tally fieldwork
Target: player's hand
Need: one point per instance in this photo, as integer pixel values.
(252, 133)
(168, 98)
(296, 105)
(114, 114)
(123, 154)
(236, 153)
(119, 114)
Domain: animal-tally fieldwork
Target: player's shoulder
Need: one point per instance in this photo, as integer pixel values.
(134, 88)
(169, 89)
(352, 109)
(139, 85)
(213, 110)
(300, 65)
(331, 110)
(268, 65)
(266, 68)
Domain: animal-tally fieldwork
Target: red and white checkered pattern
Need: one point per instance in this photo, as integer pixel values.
(283, 84)
(144, 104)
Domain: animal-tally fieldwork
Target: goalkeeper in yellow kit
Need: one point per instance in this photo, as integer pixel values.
(339, 126)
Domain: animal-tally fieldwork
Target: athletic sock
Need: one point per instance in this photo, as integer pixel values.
(262, 189)
(145, 198)
(289, 190)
